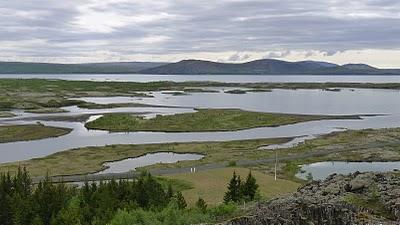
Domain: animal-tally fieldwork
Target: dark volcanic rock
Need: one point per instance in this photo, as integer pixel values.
(331, 202)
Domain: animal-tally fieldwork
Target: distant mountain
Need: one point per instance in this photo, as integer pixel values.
(317, 64)
(52, 68)
(359, 67)
(267, 67)
(194, 67)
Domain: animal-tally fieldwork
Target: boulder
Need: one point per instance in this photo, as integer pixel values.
(324, 203)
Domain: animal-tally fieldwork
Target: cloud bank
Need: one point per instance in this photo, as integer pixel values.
(223, 30)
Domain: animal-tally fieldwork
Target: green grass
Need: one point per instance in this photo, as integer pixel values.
(91, 159)
(29, 132)
(46, 110)
(353, 145)
(364, 145)
(211, 184)
(6, 114)
(176, 184)
(202, 120)
(371, 203)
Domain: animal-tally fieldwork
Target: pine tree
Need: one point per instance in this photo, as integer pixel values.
(170, 192)
(69, 215)
(21, 198)
(49, 199)
(234, 193)
(5, 199)
(180, 200)
(250, 187)
(201, 204)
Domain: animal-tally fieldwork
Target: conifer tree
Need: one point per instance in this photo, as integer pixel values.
(234, 193)
(5, 199)
(250, 187)
(49, 199)
(201, 204)
(180, 200)
(170, 192)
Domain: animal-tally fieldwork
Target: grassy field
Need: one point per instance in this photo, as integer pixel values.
(91, 159)
(211, 184)
(202, 120)
(29, 132)
(364, 145)
(46, 110)
(6, 114)
(354, 145)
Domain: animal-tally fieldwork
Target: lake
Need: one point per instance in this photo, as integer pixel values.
(217, 78)
(346, 101)
(359, 101)
(132, 164)
(322, 170)
(385, 103)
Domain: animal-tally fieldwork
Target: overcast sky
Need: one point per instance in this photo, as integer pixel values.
(72, 31)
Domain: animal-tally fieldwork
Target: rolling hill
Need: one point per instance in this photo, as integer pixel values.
(267, 67)
(52, 68)
(198, 67)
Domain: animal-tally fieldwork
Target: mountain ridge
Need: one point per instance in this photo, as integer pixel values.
(267, 67)
(198, 67)
(61, 68)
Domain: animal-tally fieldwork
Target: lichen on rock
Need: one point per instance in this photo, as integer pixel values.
(355, 199)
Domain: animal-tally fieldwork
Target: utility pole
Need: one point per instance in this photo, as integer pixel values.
(276, 162)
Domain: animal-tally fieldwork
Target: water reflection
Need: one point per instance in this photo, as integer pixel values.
(363, 101)
(81, 137)
(132, 164)
(347, 101)
(322, 170)
(294, 142)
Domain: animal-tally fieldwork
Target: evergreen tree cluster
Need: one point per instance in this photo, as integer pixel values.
(239, 191)
(22, 203)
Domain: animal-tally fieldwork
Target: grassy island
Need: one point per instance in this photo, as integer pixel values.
(6, 114)
(30, 132)
(203, 120)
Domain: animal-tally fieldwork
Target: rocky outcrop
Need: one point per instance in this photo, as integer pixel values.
(359, 198)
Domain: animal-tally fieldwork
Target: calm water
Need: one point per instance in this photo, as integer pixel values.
(294, 142)
(347, 101)
(359, 101)
(147, 160)
(81, 137)
(147, 112)
(322, 170)
(218, 78)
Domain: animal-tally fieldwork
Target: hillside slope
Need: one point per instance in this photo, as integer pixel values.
(266, 67)
(47, 68)
(198, 67)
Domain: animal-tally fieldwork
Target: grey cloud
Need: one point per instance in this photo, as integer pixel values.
(279, 54)
(329, 53)
(238, 57)
(198, 26)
